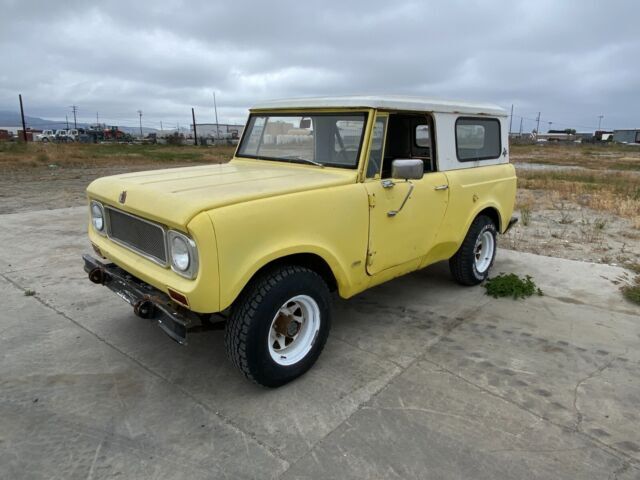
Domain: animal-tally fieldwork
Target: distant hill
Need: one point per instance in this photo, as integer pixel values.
(12, 119)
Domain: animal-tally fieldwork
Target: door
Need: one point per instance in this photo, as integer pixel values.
(410, 233)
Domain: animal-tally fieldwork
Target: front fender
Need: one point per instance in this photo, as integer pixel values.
(331, 223)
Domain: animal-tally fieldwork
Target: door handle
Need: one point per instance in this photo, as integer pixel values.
(441, 187)
(393, 213)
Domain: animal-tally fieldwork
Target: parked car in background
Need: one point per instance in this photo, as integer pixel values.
(61, 136)
(72, 134)
(323, 195)
(46, 136)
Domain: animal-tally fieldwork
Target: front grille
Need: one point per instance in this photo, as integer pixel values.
(138, 234)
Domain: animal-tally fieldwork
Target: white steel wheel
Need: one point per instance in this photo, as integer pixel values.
(293, 330)
(484, 250)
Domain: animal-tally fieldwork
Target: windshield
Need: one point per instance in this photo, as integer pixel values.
(327, 139)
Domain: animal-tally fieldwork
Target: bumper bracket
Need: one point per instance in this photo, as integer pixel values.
(147, 301)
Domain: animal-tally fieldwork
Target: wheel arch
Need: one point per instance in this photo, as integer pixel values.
(312, 261)
(329, 271)
(491, 212)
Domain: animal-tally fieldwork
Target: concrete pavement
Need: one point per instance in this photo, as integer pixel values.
(420, 378)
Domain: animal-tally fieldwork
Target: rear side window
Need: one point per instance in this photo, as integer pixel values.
(477, 138)
(423, 137)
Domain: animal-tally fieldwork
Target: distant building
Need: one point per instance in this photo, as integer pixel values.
(627, 136)
(585, 136)
(11, 129)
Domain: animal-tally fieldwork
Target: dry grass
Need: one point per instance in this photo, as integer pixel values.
(611, 192)
(591, 156)
(19, 155)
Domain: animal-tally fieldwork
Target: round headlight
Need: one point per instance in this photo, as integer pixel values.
(180, 253)
(97, 217)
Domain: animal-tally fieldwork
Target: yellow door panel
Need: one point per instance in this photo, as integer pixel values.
(409, 234)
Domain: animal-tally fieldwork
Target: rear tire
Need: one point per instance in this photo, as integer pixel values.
(473, 260)
(279, 325)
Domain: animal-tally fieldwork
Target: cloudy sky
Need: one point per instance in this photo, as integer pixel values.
(570, 60)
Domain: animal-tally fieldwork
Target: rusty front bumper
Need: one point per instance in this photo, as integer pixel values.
(147, 301)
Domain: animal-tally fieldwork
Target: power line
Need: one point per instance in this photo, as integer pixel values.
(24, 126)
(140, 115)
(195, 133)
(542, 119)
(215, 108)
(74, 109)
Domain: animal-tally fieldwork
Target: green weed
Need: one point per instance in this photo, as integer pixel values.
(511, 285)
(525, 213)
(632, 292)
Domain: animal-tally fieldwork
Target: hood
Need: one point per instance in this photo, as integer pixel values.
(174, 196)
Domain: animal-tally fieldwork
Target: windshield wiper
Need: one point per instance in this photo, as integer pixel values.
(300, 159)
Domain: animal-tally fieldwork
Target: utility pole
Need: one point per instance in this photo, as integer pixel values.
(24, 125)
(538, 123)
(160, 126)
(140, 115)
(215, 108)
(74, 109)
(520, 134)
(511, 119)
(97, 120)
(195, 133)
(600, 117)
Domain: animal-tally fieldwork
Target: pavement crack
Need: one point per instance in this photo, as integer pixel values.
(618, 454)
(374, 354)
(223, 419)
(535, 450)
(365, 404)
(597, 371)
(623, 468)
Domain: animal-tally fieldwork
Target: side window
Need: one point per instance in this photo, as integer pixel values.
(377, 147)
(477, 138)
(423, 136)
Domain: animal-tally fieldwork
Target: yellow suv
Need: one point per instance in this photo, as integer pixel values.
(323, 194)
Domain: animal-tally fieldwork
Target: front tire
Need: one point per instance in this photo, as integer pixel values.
(473, 260)
(279, 325)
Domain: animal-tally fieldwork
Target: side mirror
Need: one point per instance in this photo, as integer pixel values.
(407, 169)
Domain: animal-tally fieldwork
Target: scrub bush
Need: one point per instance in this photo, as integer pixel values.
(511, 285)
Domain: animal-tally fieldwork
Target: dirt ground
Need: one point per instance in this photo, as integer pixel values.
(44, 187)
(555, 222)
(50, 176)
(564, 229)
(580, 202)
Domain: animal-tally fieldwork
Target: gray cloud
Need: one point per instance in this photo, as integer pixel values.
(571, 60)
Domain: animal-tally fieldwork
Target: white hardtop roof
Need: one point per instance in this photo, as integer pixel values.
(384, 102)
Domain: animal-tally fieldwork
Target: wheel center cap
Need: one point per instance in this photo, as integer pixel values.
(287, 326)
(293, 328)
